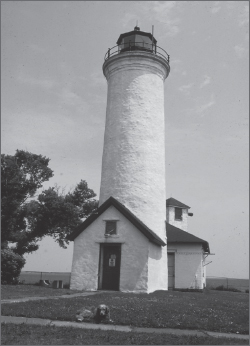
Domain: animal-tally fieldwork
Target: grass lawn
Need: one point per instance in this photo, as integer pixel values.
(40, 335)
(23, 291)
(218, 311)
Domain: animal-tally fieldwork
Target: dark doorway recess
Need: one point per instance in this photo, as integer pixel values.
(109, 268)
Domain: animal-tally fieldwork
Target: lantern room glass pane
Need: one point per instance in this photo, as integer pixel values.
(143, 41)
(131, 42)
(126, 40)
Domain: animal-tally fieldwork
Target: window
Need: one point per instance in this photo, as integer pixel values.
(178, 213)
(110, 227)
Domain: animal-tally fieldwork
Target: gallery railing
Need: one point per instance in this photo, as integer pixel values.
(134, 46)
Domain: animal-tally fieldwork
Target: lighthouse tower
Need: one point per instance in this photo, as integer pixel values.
(122, 246)
(133, 163)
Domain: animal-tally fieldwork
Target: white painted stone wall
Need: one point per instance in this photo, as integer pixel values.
(134, 254)
(157, 268)
(133, 164)
(204, 271)
(170, 216)
(188, 265)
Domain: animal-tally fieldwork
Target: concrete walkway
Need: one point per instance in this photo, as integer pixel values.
(82, 325)
(21, 300)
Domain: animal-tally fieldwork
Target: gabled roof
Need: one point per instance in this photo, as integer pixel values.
(126, 212)
(174, 203)
(177, 235)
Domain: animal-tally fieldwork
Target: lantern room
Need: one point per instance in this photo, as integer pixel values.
(136, 40)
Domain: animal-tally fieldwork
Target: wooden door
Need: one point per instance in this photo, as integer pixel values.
(171, 271)
(111, 267)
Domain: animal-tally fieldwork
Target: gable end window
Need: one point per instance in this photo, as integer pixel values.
(178, 213)
(110, 227)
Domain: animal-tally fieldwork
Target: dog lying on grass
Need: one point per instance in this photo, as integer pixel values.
(98, 314)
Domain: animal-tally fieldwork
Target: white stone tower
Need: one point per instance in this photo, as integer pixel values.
(133, 164)
(123, 245)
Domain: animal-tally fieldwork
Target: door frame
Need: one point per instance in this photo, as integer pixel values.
(172, 253)
(100, 269)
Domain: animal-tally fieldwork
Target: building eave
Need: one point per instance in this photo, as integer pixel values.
(177, 235)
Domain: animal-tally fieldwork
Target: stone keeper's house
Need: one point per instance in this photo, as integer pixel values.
(111, 251)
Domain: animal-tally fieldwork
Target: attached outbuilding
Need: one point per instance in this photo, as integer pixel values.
(186, 252)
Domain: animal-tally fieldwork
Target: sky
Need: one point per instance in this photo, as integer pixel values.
(53, 103)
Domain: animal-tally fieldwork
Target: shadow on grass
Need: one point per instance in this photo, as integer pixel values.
(49, 335)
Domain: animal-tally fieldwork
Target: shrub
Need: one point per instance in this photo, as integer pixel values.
(247, 291)
(222, 288)
(232, 289)
(11, 265)
(189, 290)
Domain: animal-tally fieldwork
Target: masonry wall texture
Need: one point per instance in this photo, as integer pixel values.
(157, 268)
(189, 268)
(133, 165)
(134, 254)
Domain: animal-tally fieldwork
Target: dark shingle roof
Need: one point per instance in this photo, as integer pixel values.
(126, 212)
(177, 235)
(174, 203)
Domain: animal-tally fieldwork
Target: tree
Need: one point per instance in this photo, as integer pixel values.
(25, 221)
(21, 176)
(56, 214)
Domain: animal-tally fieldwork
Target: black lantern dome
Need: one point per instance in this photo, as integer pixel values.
(136, 40)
